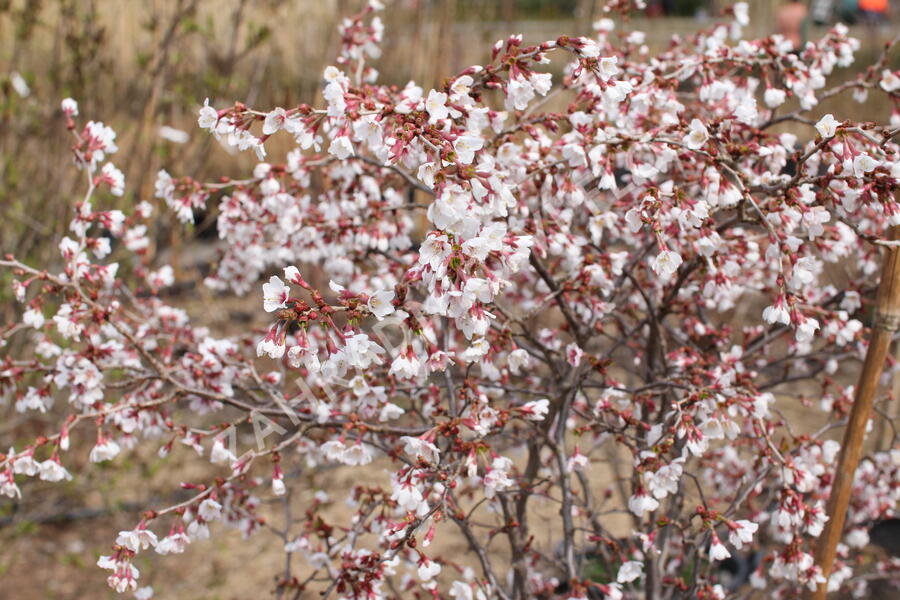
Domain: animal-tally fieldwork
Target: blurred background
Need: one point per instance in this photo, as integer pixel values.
(144, 67)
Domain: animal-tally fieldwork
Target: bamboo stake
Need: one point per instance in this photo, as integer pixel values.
(885, 321)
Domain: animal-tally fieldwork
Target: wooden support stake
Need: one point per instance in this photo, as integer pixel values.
(885, 321)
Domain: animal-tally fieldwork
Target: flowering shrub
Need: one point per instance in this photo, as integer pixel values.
(517, 298)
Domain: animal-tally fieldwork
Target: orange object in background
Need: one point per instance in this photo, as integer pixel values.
(874, 5)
